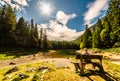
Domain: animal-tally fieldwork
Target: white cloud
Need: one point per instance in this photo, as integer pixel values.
(63, 18)
(17, 4)
(21, 2)
(2, 3)
(58, 30)
(94, 10)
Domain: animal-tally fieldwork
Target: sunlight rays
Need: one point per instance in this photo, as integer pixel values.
(46, 8)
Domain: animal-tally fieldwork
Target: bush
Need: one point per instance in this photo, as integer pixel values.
(117, 44)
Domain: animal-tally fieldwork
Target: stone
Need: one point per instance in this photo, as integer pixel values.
(44, 69)
(14, 69)
(6, 77)
(12, 63)
(31, 69)
(22, 76)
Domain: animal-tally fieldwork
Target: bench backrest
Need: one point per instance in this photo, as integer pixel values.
(89, 56)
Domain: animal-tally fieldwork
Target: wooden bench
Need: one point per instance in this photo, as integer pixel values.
(82, 63)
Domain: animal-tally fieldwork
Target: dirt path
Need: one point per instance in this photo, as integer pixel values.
(59, 62)
(113, 57)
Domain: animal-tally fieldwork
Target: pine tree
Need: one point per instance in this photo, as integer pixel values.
(113, 16)
(36, 31)
(7, 26)
(86, 42)
(40, 41)
(96, 40)
(20, 31)
(45, 45)
(105, 34)
(33, 40)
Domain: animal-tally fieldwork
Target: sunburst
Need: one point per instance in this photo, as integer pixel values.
(46, 8)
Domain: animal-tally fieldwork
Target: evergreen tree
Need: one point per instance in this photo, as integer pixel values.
(96, 40)
(36, 32)
(45, 45)
(27, 34)
(41, 39)
(105, 34)
(7, 26)
(20, 31)
(33, 40)
(86, 42)
(113, 16)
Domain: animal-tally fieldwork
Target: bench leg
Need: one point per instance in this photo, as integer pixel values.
(82, 68)
(98, 65)
(77, 66)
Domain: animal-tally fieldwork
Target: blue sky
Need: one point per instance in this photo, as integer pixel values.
(65, 18)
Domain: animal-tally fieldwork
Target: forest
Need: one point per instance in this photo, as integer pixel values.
(106, 32)
(21, 33)
(26, 34)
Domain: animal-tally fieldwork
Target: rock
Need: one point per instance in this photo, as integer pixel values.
(6, 77)
(46, 61)
(117, 54)
(110, 54)
(69, 59)
(53, 60)
(31, 69)
(33, 56)
(41, 78)
(35, 78)
(14, 69)
(44, 69)
(99, 51)
(12, 63)
(22, 76)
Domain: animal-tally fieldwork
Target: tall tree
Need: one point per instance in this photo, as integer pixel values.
(33, 40)
(40, 39)
(96, 40)
(86, 42)
(45, 44)
(113, 16)
(7, 26)
(36, 31)
(20, 31)
(105, 34)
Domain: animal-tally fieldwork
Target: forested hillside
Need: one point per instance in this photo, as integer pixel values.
(26, 34)
(106, 32)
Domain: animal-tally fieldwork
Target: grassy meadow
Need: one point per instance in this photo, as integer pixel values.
(33, 72)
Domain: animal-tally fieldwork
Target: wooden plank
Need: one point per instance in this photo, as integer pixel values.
(89, 56)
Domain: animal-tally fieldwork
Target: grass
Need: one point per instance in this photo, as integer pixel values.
(112, 69)
(112, 50)
(5, 57)
(53, 75)
(10, 53)
(112, 72)
(23, 69)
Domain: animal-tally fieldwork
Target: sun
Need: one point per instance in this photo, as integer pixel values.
(46, 8)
